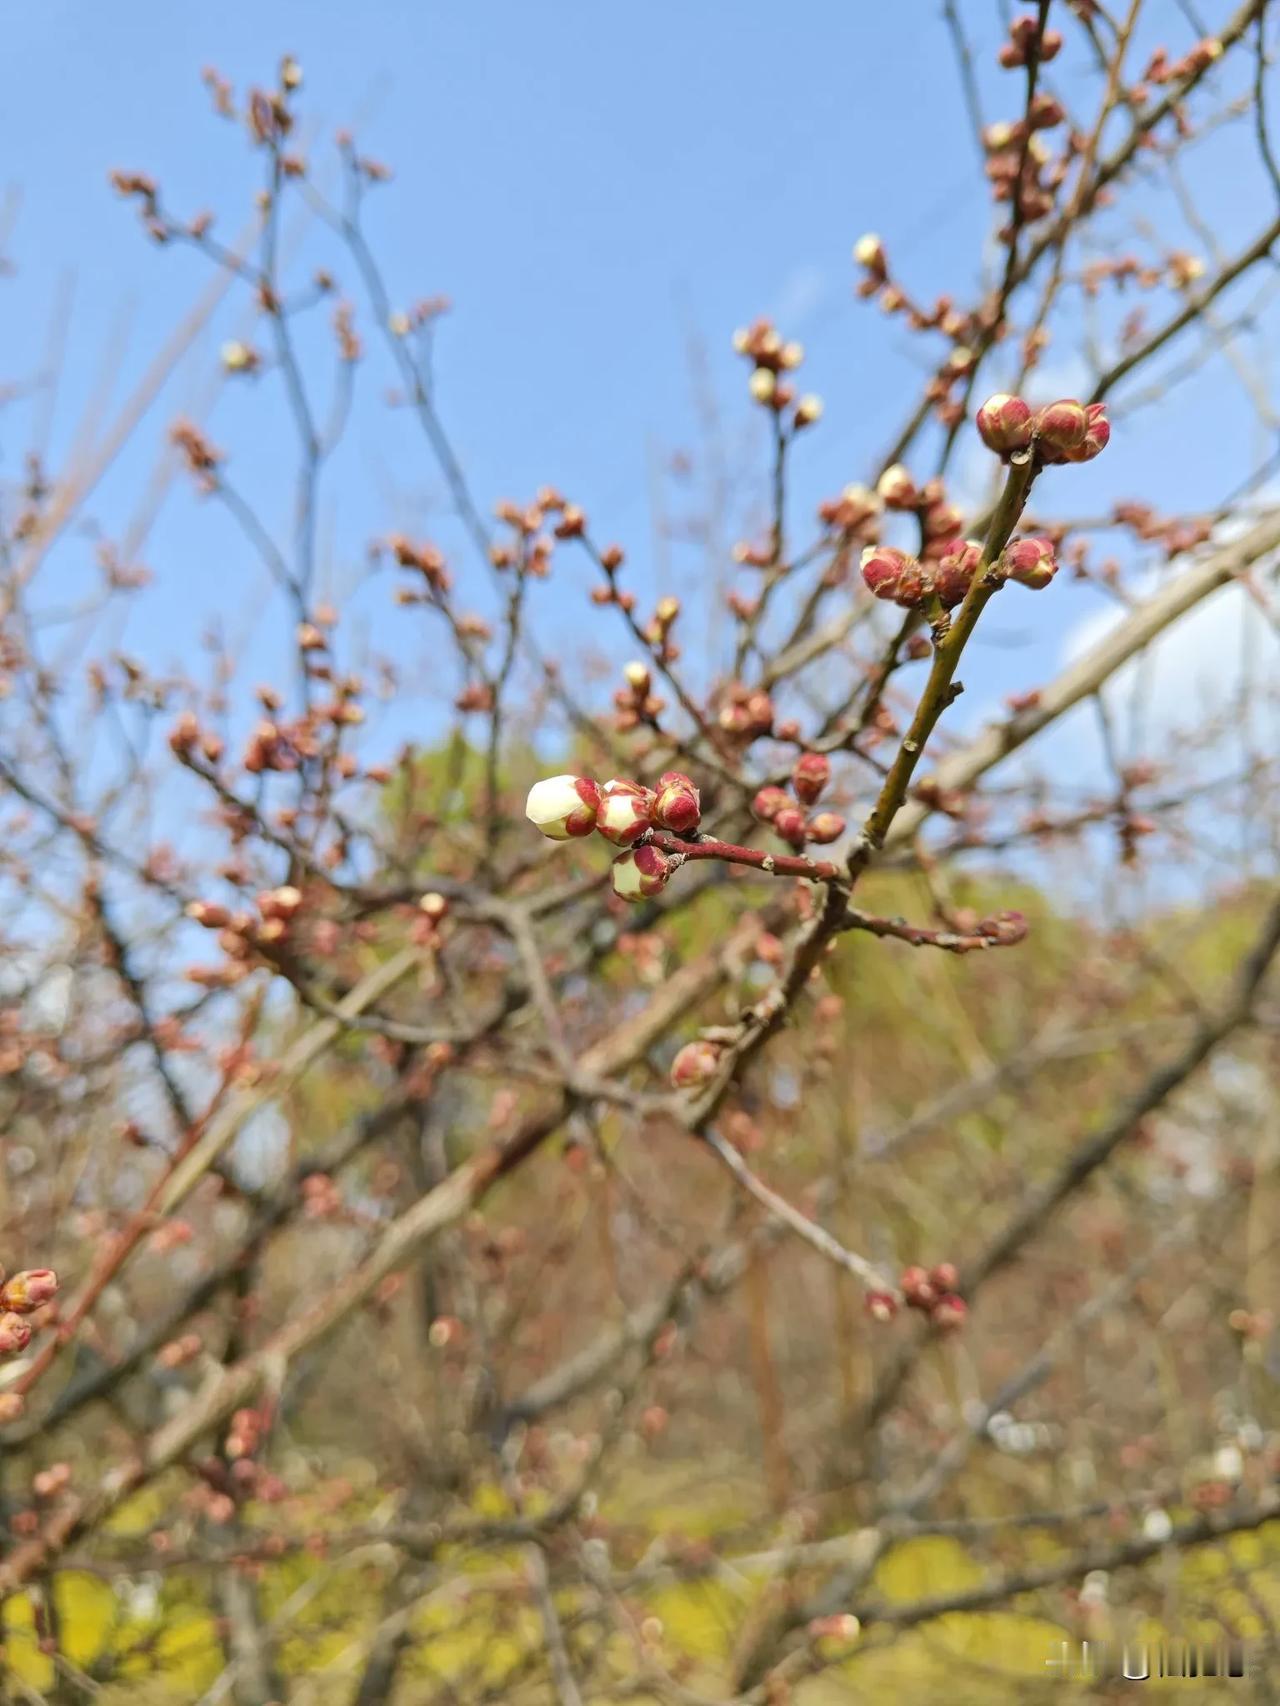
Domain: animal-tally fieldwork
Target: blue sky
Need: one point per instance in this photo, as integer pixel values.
(600, 191)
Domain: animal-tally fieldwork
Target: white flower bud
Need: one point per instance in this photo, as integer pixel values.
(563, 807)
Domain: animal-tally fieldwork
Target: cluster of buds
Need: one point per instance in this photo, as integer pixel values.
(531, 548)
(1181, 269)
(855, 512)
(202, 457)
(1176, 536)
(1025, 43)
(789, 814)
(747, 714)
(1019, 165)
(624, 813)
(933, 1292)
(940, 521)
(425, 560)
(1160, 69)
(904, 580)
(636, 702)
(20, 1297)
(1065, 431)
(771, 359)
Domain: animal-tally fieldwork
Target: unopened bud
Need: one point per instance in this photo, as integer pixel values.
(563, 807)
(897, 488)
(769, 802)
(791, 826)
(1030, 562)
(29, 1290)
(696, 1063)
(949, 1313)
(678, 806)
(825, 827)
(810, 776)
(1060, 428)
(955, 571)
(640, 873)
(762, 384)
(1005, 423)
(868, 252)
(882, 568)
(15, 1335)
(626, 811)
(881, 1305)
(808, 410)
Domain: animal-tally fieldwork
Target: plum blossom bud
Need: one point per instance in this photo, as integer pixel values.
(563, 807)
(918, 1289)
(762, 384)
(696, 1063)
(944, 1276)
(626, 811)
(15, 1335)
(641, 872)
(882, 567)
(768, 803)
(678, 806)
(1005, 423)
(1030, 562)
(897, 488)
(791, 826)
(29, 1290)
(881, 1305)
(811, 774)
(1097, 434)
(434, 906)
(825, 827)
(955, 571)
(638, 679)
(808, 410)
(949, 1312)
(1061, 428)
(868, 252)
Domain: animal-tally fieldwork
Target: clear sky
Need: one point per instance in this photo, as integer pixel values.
(604, 193)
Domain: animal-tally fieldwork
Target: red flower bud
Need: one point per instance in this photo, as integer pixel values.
(881, 1305)
(944, 1276)
(811, 774)
(790, 825)
(1061, 428)
(641, 872)
(917, 1288)
(882, 568)
(626, 811)
(769, 802)
(1030, 562)
(825, 827)
(955, 572)
(1004, 423)
(29, 1290)
(696, 1063)
(949, 1312)
(678, 806)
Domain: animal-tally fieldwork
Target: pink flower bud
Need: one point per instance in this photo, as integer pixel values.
(696, 1063)
(29, 1290)
(881, 1305)
(882, 568)
(918, 1288)
(1004, 423)
(897, 488)
(791, 826)
(942, 521)
(915, 583)
(769, 802)
(640, 873)
(1060, 429)
(1096, 436)
(15, 1335)
(944, 1276)
(949, 1312)
(563, 807)
(811, 774)
(955, 572)
(1030, 562)
(678, 806)
(825, 827)
(626, 811)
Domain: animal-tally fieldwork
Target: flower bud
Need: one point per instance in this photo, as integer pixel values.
(15, 1335)
(678, 806)
(1030, 562)
(626, 811)
(918, 1288)
(868, 252)
(825, 827)
(640, 873)
(1004, 423)
(897, 488)
(696, 1063)
(763, 384)
(811, 774)
(638, 679)
(949, 1312)
(563, 807)
(808, 410)
(1097, 435)
(955, 572)
(882, 569)
(1060, 429)
(769, 802)
(791, 826)
(944, 1276)
(881, 1305)
(915, 583)
(29, 1290)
